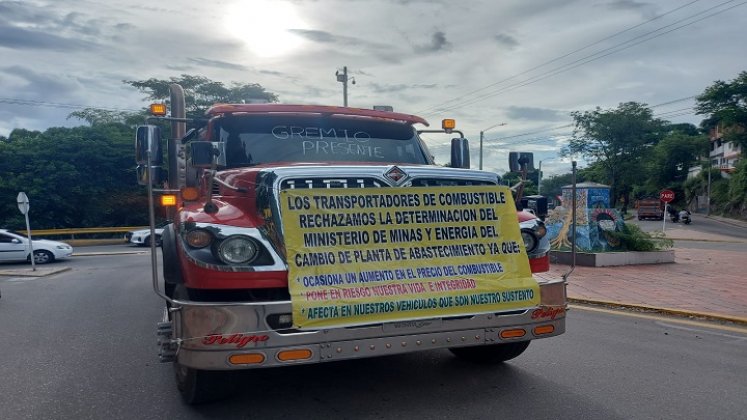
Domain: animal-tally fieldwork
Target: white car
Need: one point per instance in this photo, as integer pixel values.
(14, 247)
(142, 237)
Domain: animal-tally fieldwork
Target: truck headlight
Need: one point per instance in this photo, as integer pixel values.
(237, 249)
(530, 239)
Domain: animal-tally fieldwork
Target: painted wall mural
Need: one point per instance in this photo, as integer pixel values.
(594, 218)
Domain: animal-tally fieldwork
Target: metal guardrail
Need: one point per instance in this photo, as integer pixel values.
(71, 232)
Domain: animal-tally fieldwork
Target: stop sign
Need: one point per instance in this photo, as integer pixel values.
(23, 202)
(666, 196)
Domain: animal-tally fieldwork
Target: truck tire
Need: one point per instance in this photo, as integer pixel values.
(490, 353)
(202, 386)
(172, 271)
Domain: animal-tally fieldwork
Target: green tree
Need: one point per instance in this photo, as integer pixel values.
(201, 92)
(669, 161)
(85, 176)
(726, 103)
(96, 116)
(737, 203)
(616, 140)
(74, 177)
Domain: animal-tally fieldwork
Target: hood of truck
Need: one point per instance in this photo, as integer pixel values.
(249, 194)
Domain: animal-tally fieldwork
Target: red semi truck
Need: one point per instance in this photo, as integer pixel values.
(308, 234)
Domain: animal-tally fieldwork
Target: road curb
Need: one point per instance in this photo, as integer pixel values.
(667, 311)
(705, 240)
(43, 272)
(89, 254)
(26, 272)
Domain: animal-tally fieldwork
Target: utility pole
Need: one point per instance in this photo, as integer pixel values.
(539, 178)
(708, 193)
(343, 78)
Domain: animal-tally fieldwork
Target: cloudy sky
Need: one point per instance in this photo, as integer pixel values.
(523, 63)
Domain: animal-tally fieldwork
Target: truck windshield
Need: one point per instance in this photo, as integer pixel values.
(254, 140)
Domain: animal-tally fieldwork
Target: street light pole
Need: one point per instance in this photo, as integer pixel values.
(482, 135)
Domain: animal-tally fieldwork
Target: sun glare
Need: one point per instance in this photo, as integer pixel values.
(263, 25)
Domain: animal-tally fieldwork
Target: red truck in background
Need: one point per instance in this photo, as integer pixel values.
(307, 234)
(650, 208)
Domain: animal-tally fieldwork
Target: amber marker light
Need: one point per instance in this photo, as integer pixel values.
(246, 359)
(515, 333)
(543, 329)
(159, 110)
(198, 238)
(297, 354)
(190, 193)
(448, 124)
(168, 200)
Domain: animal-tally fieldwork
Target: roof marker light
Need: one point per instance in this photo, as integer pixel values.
(190, 193)
(159, 110)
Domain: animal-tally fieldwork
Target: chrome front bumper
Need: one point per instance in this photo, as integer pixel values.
(223, 336)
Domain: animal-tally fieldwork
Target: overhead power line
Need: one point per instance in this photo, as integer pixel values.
(674, 101)
(29, 102)
(676, 111)
(595, 56)
(434, 107)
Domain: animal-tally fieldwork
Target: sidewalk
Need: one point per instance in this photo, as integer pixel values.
(701, 283)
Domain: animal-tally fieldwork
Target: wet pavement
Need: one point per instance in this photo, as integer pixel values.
(709, 283)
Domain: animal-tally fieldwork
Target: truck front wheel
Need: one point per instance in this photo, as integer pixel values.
(491, 353)
(203, 386)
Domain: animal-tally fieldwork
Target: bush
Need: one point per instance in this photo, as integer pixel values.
(633, 238)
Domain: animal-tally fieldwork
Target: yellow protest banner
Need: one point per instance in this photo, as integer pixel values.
(359, 257)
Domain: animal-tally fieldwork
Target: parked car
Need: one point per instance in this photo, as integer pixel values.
(14, 247)
(141, 237)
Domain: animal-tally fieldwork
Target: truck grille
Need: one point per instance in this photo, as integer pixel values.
(308, 183)
(356, 182)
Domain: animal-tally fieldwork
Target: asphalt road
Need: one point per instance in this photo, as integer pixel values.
(699, 223)
(81, 345)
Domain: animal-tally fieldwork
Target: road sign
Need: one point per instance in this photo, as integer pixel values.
(666, 196)
(23, 202)
(23, 205)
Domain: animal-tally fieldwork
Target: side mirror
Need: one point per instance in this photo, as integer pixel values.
(460, 153)
(148, 139)
(202, 153)
(155, 176)
(15, 241)
(518, 159)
